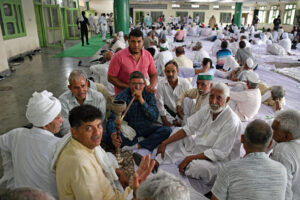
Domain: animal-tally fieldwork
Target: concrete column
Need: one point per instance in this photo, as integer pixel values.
(238, 13)
(121, 16)
(3, 60)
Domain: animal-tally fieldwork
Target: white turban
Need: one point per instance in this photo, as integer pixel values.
(221, 36)
(285, 35)
(120, 34)
(42, 108)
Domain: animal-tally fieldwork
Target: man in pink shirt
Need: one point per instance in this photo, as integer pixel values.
(179, 36)
(133, 58)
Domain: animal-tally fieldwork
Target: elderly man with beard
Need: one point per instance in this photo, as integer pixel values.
(210, 138)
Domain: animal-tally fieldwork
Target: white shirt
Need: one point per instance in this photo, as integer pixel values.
(167, 96)
(218, 139)
(286, 44)
(199, 55)
(216, 47)
(254, 177)
(31, 152)
(184, 61)
(162, 58)
(118, 44)
(68, 102)
(288, 153)
(247, 103)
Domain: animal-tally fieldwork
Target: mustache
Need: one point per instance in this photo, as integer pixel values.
(214, 106)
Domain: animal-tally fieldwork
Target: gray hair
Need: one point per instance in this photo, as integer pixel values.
(289, 120)
(223, 87)
(258, 134)
(76, 74)
(162, 186)
(278, 91)
(26, 193)
(199, 45)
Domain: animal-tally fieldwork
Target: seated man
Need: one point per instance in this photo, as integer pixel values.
(286, 43)
(217, 44)
(222, 54)
(79, 93)
(31, 150)
(168, 90)
(181, 59)
(179, 35)
(230, 65)
(83, 168)
(163, 186)
(142, 113)
(255, 176)
(204, 83)
(239, 74)
(246, 103)
(272, 96)
(162, 58)
(200, 53)
(286, 126)
(243, 53)
(99, 73)
(211, 137)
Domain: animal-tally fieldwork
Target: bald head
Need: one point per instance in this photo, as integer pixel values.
(108, 55)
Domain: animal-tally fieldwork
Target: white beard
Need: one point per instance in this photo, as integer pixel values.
(218, 110)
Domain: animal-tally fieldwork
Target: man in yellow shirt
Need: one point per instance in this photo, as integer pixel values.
(81, 172)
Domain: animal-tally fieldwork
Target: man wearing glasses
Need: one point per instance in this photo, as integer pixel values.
(142, 113)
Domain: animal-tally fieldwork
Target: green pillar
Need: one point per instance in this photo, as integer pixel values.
(238, 13)
(87, 5)
(121, 16)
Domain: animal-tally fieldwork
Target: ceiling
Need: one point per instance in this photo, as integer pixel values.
(212, 1)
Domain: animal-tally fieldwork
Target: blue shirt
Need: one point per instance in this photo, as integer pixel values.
(139, 116)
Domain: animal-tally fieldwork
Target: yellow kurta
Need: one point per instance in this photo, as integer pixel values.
(80, 176)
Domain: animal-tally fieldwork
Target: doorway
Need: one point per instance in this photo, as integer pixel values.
(139, 17)
(40, 24)
(244, 19)
(70, 26)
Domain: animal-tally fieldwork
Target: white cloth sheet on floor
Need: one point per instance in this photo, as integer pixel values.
(268, 74)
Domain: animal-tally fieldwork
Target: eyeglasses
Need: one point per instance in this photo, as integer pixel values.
(138, 84)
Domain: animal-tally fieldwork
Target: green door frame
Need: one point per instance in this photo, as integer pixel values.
(52, 29)
(73, 24)
(40, 24)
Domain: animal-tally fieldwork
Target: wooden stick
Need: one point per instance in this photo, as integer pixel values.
(129, 105)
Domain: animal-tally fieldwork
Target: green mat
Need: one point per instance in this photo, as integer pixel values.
(83, 51)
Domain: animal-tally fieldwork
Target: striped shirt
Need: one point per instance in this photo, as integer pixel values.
(221, 56)
(254, 177)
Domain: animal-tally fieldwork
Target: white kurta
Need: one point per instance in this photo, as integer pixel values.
(286, 44)
(31, 152)
(166, 95)
(199, 55)
(247, 103)
(288, 154)
(218, 139)
(161, 60)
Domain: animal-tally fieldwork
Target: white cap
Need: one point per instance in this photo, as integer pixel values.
(250, 63)
(42, 108)
(285, 35)
(252, 77)
(221, 36)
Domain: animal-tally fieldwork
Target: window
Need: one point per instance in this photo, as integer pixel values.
(262, 14)
(289, 14)
(225, 17)
(274, 12)
(201, 16)
(11, 19)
